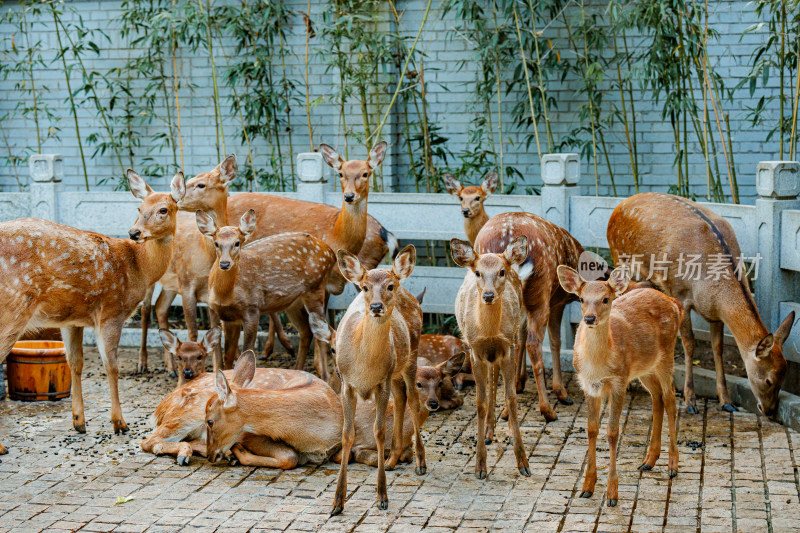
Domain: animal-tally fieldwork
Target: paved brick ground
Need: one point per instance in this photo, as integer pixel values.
(737, 473)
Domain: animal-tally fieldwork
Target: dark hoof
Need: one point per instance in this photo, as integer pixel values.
(183, 460)
(586, 494)
(525, 471)
(691, 409)
(290, 351)
(421, 470)
(383, 504)
(729, 407)
(612, 503)
(141, 369)
(566, 401)
(233, 461)
(673, 473)
(480, 474)
(487, 441)
(550, 416)
(646, 467)
(388, 467)
(80, 428)
(504, 416)
(173, 374)
(337, 510)
(120, 430)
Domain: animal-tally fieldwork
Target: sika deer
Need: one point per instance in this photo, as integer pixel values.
(264, 277)
(669, 229)
(190, 357)
(376, 349)
(472, 199)
(439, 348)
(622, 337)
(58, 276)
(544, 299)
(435, 382)
(490, 315)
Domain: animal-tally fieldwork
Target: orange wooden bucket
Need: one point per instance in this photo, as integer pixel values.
(38, 371)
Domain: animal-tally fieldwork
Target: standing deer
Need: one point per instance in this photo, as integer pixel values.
(376, 350)
(265, 276)
(490, 316)
(59, 276)
(667, 229)
(624, 336)
(472, 199)
(544, 299)
(190, 356)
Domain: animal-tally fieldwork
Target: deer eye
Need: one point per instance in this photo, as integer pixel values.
(769, 382)
(477, 274)
(365, 288)
(163, 210)
(236, 244)
(478, 198)
(216, 244)
(419, 385)
(364, 175)
(605, 300)
(390, 287)
(502, 272)
(201, 185)
(210, 423)
(581, 300)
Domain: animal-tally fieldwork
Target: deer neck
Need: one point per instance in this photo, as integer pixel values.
(596, 343)
(153, 257)
(223, 282)
(220, 208)
(490, 317)
(745, 325)
(472, 226)
(373, 335)
(350, 227)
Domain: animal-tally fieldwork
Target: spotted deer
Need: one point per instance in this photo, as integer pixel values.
(624, 336)
(190, 357)
(669, 228)
(490, 316)
(472, 199)
(435, 382)
(264, 277)
(59, 276)
(376, 351)
(439, 348)
(543, 298)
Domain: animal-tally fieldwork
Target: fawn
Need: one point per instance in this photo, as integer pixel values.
(472, 199)
(435, 381)
(666, 227)
(624, 336)
(190, 356)
(490, 315)
(439, 348)
(376, 350)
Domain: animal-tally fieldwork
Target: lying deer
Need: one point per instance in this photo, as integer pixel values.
(376, 350)
(439, 348)
(435, 382)
(472, 199)
(622, 337)
(58, 276)
(544, 299)
(490, 316)
(190, 356)
(669, 229)
(264, 277)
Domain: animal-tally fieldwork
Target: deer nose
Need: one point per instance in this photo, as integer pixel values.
(349, 197)
(433, 404)
(488, 297)
(188, 374)
(224, 265)
(466, 212)
(376, 308)
(590, 319)
(134, 234)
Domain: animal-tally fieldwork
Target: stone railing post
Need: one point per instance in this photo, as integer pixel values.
(778, 186)
(311, 177)
(46, 172)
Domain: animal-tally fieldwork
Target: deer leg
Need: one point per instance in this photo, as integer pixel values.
(522, 371)
(687, 338)
(717, 331)
(250, 327)
(348, 435)
(481, 374)
(183, 451)
(615, 411)
(314, 302)
(594, 403)
(491, 415)
(400, 395)
(534, 347)
(214, 322)
(554, 330)
(367, 457)
(73, 342)
(108, 334)
(163, 303)
(509, 385)
(668, 391)
(410, 376)
(269, 344)
(653, 386)
(232, 331)
(269, 454)
(299, 318)
(379, 431)
(147, 306)
(283, 338)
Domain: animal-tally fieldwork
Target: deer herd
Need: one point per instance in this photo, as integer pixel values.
(254, 254)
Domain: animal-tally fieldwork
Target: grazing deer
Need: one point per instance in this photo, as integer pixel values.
(58, 276)
(666, 228)
(544, 299)
(472, 199)
(439, 348)
(190, 356)
(376, 350)
(264, 277)
(490, 316)
(622, 337)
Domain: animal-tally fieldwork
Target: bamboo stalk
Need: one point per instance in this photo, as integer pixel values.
(286, 98)
(308, 87)
(731, 177)
(175, 83)
(499, 98)
(796, 99)
(591, 102)
(633, 112)
(11, 158)
(625, 121)
(550, 141)
(33, 82)
(781, 124)
(527, 83)
(210, 44)
(705, 101)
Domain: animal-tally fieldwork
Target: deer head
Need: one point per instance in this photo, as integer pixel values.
(223, 423)
(596, 297)
(190, 356)
(471, 197)
(766, 368)
(203, 189)
(228, 240)
(491, 270)
(354, 175)
(430, 379)
(157, 211)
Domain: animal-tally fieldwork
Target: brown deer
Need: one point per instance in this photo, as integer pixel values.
(622, 337)
(669, 229)
(439, 348)
(490, 316)
(472, 199)
(435, 382)
(376, 350)
(544, 299)
(264, 277)
(59, 276)
(190, 356)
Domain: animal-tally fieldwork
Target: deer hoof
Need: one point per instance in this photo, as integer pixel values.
(183, 460)
(421, 470)
(565, 401)
(586, 494)
(120, 428)
(525, 471)
(646, 467)
(487, 440)
(233, 461)
(729, 407)
(612, 502)
(480, 474)
(337, 510)
(383, 504)
(550, 416)
(141, 368)
(691, 409)
(673, 473)
(80, 428)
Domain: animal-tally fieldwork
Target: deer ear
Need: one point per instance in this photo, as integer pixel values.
(319, 327)
(228, 169)
(764, 346)
(244, 370)
(463, 253)
(569, 279)
(330, 156)
(517, 250)
(247, 224)
(205, 223)
(377, 154)
(453, 366)
(170, 342)
(177, 187)
(351, 267)
(224, 391)
(489, 184)
(138, 187)
(405, 261)
(451, 184)
(782, 333)
(211, 340)
(618, 280)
